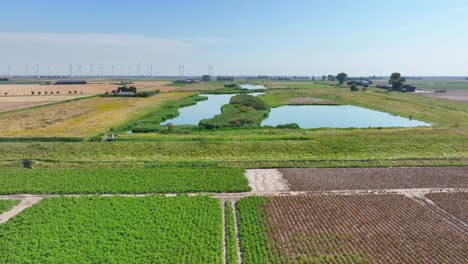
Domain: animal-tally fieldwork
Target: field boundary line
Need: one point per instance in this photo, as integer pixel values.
(236, 229)
(224, 231)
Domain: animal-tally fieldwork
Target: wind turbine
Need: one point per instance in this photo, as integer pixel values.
(27, 75)
(91, 67)
(70, 70)
(37, 70)
(210, 70)
(181, 69)
(9, 71)
(79, 69)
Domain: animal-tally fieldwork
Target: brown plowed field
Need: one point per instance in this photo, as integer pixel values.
(376, 178)
(361, 229)
(454, 203)
(85, 89)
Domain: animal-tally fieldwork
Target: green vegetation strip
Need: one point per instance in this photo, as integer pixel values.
(231, 237)
(6, 205)
(94, 181)
(252, 236)
(126, 230)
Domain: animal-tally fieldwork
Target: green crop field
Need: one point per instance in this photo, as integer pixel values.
(231, 237)
(252, 233)
(115, 230)
(6, 205)
(94, 181)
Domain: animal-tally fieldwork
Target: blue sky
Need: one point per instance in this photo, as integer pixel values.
(239, 37)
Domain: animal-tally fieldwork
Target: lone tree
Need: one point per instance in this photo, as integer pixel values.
(324, 77)
(342, 77)
(396, 81)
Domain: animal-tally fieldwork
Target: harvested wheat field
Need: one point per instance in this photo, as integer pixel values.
(18, 102)
(79, 118)
(361, 229)
(329, 179)
(454, 203)
(83, 89)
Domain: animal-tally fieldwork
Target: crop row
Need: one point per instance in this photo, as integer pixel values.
(253, 242)
(376, 178)
(6, 205)
(93, 181)
(357, 229)
(231, 237)
(150, 229)
(454, 203)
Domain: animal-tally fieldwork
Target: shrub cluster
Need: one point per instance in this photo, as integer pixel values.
(249, 101)
(232, 85)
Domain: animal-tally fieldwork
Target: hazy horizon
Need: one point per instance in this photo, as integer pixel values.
(241, 38)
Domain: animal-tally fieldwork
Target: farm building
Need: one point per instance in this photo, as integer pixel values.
(70, 82)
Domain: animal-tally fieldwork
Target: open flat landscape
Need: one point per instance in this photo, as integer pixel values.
(234, 132)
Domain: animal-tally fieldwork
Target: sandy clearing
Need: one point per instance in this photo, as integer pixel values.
(26, 202)
(266, 180)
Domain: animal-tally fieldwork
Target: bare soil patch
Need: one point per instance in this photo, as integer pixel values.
(454, 203)
(376, 178)
(310, 101)
(385, 228)
(266, 180)
(454, 95)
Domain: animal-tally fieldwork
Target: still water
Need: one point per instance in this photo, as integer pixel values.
(191, 115)
(252, 87)
(341, 116)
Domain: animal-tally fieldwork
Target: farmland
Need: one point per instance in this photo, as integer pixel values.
(454, 203)
(115, 230)
(375, 178)
(36, 90)
(82, 181)
(82, 118)
(6, 205)
(366, 229)
(320, 169)
(18, 102)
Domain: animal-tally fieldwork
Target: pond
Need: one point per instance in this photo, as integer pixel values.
(191, 115)
(252, 87)
(341, 116)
